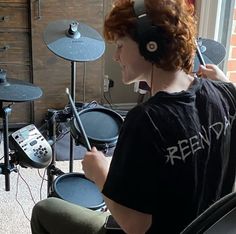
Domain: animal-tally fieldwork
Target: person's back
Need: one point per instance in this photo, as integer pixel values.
(198, 132)
(190, 154)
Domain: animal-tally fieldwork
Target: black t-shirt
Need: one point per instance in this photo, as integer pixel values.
(176, 154)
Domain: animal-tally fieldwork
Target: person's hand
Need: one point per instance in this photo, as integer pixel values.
(95, 166)
(213, 72)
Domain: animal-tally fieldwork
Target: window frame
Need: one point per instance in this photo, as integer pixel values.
(215, 22)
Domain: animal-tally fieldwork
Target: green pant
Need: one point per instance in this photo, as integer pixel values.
(55, 216)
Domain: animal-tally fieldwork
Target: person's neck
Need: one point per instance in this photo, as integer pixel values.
(170, 82)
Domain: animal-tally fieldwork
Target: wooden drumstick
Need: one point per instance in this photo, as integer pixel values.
(80, 125)
(199, 55)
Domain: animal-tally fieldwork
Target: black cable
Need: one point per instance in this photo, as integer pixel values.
(107, 101)
(109, 93)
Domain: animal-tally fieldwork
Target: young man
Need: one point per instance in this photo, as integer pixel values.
(175, 154)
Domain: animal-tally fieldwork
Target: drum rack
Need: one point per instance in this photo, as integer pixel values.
(53, 118)
(60, 37)
(52, 170)
(6, 167)
(101, 138)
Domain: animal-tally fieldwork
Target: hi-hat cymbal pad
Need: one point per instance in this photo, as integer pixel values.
(74, 41)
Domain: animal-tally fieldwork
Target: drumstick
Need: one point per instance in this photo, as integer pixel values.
(199, 55)
(80, 125)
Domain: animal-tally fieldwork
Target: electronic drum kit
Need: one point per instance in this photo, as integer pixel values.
(98, 126)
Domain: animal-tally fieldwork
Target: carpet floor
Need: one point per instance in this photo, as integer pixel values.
(26, 188)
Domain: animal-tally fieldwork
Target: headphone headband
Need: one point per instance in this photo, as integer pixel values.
(139, 8)
(143, 21)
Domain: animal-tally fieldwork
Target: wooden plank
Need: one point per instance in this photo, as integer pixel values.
(14, 48)
(21, 112)
(15, 56)
(14, 16)
(14, 1)
(53, 74)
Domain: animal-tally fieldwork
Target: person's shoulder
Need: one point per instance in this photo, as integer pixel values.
(222, 85)
(215, 83)
(137, 112)
(226, 89)
(144, 113)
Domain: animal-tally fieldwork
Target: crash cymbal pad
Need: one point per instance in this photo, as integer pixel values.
(212, 52)
(13, 90)
(74, 41)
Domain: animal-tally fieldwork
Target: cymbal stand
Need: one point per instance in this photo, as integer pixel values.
(52, 170)
(73, 85)
(52, 136)
(6, 167)
(52, 132)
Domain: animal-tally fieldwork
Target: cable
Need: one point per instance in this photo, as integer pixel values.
(90, 104)
(107, 101)
(41, 175)
(112, 106)
(41, 185)
(16, 196)
(31, 195)
(63, 116)
(109, 93)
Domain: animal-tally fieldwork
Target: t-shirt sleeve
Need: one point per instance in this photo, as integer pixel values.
(229, 90)
(133, 168)
(232, 95)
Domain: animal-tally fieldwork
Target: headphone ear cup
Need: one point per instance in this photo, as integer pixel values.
(149, 47)
(152, 46)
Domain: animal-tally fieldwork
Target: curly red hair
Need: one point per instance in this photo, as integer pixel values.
(174, 18)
